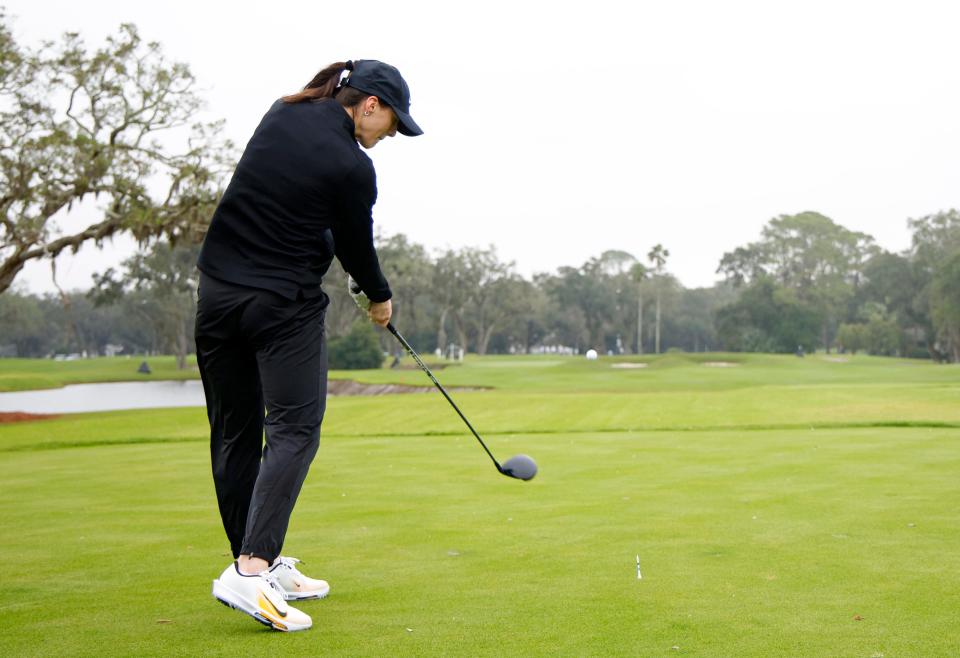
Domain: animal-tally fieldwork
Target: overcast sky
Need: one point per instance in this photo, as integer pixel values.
(557, 130)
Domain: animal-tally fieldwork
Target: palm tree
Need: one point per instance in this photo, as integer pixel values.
(658, 257)
(639, 273)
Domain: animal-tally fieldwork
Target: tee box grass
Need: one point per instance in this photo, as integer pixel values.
(779, 507)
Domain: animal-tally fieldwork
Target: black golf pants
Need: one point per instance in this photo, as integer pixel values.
(263, 362)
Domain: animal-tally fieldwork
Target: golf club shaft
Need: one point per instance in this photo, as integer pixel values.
(423, 366)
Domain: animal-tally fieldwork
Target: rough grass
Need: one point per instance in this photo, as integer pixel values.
(817, 516)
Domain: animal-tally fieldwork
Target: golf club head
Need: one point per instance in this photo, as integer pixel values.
(521, 467)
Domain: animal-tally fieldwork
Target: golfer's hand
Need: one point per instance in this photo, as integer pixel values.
(380, 312)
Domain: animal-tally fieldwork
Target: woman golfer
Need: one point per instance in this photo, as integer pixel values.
(301, 194)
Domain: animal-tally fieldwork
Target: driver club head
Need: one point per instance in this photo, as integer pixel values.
(521, 467)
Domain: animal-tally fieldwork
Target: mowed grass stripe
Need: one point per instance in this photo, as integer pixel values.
(126, 441)
(499, 412)
(666, 372)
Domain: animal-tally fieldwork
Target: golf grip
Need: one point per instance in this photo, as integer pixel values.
(423, 366)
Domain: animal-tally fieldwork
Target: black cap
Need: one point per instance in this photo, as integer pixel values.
(385, 82)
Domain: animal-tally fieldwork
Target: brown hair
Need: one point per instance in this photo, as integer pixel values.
(324, 85)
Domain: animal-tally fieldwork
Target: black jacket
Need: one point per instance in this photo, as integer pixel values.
(302, 192)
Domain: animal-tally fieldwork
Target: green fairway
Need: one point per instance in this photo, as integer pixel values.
(30, 374)
(779, 507)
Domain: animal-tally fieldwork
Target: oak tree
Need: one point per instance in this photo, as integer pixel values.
(117, 125)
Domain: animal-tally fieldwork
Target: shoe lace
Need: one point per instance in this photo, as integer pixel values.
(290, 563)
(272, 581)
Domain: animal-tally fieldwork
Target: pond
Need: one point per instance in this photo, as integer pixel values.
(116, 396)
(78, 398)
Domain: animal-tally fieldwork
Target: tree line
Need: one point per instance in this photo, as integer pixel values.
(808, 283)
(812, 283)
(117, 125)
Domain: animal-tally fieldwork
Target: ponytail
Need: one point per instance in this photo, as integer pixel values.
(324, 84)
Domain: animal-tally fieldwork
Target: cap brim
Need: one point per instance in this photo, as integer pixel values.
(406, 125)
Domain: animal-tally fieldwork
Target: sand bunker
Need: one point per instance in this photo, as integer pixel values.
(629, 366)
(719, 364)
(836, 359)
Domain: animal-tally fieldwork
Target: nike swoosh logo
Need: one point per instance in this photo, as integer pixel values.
(267, 603)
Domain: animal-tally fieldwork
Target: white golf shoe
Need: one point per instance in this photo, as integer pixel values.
(294, 584)
(261, 597)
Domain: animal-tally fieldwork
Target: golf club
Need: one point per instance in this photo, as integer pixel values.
(520, 467)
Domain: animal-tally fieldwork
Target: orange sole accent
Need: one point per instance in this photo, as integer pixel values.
(266, 605)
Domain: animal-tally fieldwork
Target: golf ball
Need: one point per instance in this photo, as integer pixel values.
(591, 355)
